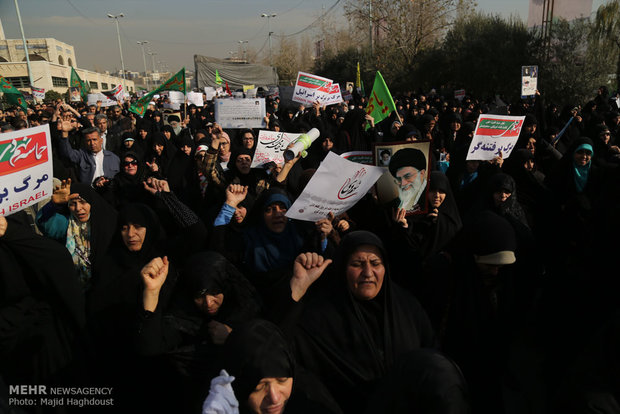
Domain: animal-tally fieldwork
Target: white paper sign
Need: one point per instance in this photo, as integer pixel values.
(240, 113)
(177, 99)
(38, 93)
(251, 93)
(105, 101)
(334, 97)
(25, 168)
(494, 134)
(311, 88)
(195, 98)
(271, 146)
(336, 186)
(210, 93)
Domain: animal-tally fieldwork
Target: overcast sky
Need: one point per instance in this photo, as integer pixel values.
(177, 29)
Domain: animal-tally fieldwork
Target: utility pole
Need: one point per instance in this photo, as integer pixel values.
(269, 16)
(21, 27)
(146, 78)
(152, 54)
(120, 47)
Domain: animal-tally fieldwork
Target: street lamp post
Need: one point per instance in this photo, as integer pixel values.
(120, 47)
(244, 50)
(269, 16)
(142, 43)
(152, 54)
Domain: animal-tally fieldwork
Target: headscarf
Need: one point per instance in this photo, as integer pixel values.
(448, 221)
(266, 250)
(210, 273)
(87, 242)
(351, 343)
(581, 173)
(257, 350)
(142, 215)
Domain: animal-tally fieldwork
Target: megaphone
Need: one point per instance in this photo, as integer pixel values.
(301, 144)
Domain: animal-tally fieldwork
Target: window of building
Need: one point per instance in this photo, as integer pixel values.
(20, 81)
(59, 48)
(59, 81)
(61, 60)
(4, 47)
(69, 62)
(93, 85)
(68, 51)
(104, 86)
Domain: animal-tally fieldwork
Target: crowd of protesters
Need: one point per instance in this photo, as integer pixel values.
(163, 258)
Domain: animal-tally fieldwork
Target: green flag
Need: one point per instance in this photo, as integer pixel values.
(13, 96)
(218, 80)
(76, 82)
(380, 102)
(175, 83)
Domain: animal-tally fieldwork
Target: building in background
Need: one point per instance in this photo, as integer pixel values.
(50, 61)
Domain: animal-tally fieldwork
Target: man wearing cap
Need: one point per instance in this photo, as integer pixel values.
(408, 166)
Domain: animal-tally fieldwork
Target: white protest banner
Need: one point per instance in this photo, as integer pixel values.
(25, 168)
(251, 93)
(240, 113)
(271, 146)
(209, 93)
(38, 93)
(494, 134)
(195, 98)
(310, 88)
(529, 80)
(105, 101)
(361, 157)
(336, 186)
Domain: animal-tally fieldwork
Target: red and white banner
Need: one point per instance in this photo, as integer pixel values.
(25, 168)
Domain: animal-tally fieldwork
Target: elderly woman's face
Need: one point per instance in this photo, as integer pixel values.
(80, 209)
(133, 236)
(270, 395)
(365, 272)
(209, 304)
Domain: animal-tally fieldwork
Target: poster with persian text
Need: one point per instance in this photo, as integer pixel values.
(336, 186)
(25, 168)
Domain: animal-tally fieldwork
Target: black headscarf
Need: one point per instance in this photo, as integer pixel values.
(257, 350)
(102, 221)
(210, 273)
(350, 344)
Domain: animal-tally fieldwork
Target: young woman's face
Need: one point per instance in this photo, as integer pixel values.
(436, 198)
(158, 148)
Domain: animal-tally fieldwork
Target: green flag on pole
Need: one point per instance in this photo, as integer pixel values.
(380, 102)
(13, 96)
(175, 83)
(218, 80)
(76, 82)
